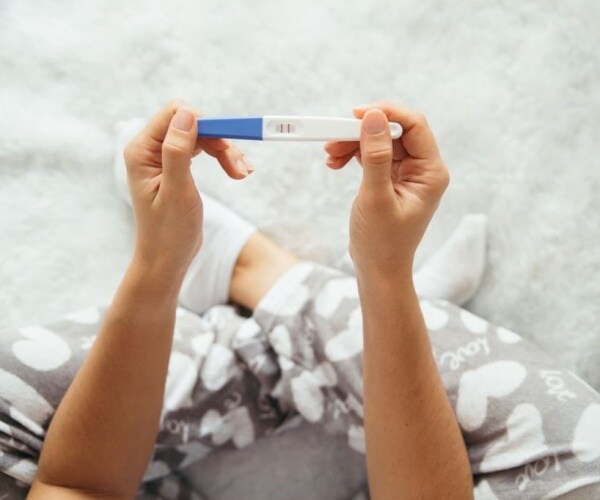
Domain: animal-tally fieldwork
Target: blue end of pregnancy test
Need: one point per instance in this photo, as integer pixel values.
(247, 127)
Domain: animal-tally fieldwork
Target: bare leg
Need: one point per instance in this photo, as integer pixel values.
(260, 264)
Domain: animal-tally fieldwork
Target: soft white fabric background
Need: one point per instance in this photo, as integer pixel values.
(510, 88)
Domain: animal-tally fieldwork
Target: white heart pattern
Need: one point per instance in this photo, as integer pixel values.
(235, 425)
(293, 302)
(247, 332)
(496, 379)
(325, 374)
(24, 470)
(210, 422)
(29, 407)
(181, 379)
(44, 351)
(281, 341)
(507, 336)
(586, 443)
(333, 293)
(349, 342)
(473, 323)
(524, 441)
(308, 398)
(217, 367)
(285, 363)
(483, 491)
(355, 405)
(187, 324)
(201, 343)
(89, 316)
(356, 438)
(435, 318)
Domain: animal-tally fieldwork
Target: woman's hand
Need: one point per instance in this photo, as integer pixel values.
(403, 181)
(109, 417)
(413, 441)
(167, 206)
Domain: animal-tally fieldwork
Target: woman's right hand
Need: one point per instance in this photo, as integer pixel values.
(403, 181)
(167, 206)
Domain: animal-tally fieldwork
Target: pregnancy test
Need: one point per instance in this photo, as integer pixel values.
(285, 128)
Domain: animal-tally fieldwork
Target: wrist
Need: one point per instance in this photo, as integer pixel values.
(376, 284)
(392, 272)
(173, 258)
(160, 275)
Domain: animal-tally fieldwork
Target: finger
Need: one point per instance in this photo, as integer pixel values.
(215, 144)
(177, 148)
(338, 162)
(158, 125)
(232, 160)
(417, 137)
(337, 149)
(197, 149)
(399, 150)
(399, 153)
(376, 151)
(212, 144)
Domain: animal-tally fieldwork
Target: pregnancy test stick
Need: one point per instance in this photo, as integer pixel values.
(285, 128)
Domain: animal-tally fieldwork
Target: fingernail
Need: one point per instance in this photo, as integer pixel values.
(249, 165)
(183, 120)
(242, 168)
(374, 122)
(329, 161)
(362, 106)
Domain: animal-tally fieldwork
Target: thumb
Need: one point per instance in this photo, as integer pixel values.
(376, 150)
(178, 147)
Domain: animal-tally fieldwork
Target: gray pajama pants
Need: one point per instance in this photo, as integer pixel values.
(532, 430)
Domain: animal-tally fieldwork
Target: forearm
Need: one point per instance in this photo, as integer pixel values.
(414, 445)
(103, 433)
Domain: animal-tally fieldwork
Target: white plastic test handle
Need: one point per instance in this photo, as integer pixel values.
(315, 128)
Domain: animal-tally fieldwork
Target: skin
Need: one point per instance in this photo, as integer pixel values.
(102, 435)
(414, 445)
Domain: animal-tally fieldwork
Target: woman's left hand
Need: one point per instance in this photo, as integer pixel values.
(167, 206)
(403, 181)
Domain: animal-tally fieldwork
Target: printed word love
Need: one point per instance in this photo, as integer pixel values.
(455, 358)
(536, 469)
(556, 385)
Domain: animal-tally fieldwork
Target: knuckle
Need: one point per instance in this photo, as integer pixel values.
(174, 148)
(379, 155)
(174, 104)
(441, 181)
(131, 153)
(422, 119)
(445, 178)
(442, 176)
